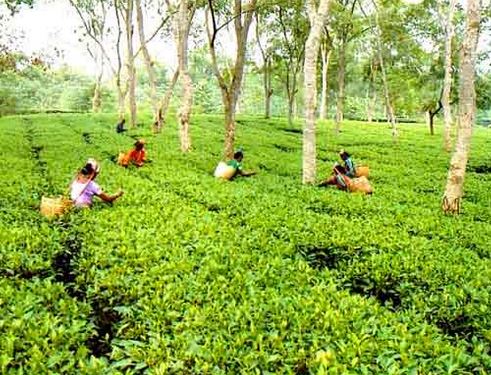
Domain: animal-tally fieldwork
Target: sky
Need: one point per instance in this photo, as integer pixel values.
(53, 25)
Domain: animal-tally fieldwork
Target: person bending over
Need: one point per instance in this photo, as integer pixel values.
(83, 188)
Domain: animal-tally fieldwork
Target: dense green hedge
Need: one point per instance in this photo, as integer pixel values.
(186, 274)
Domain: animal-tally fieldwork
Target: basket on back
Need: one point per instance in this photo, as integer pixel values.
(124, 159)
(362, 170)
(224, 171)
(52, 207)
(360, 185)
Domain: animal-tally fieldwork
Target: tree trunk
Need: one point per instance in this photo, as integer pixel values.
(182, 27)
(317, 20)
(121, 100)
(390, 110)
(447, 81)
(326, 57)
(467, 112)
(96, 99)
(229, 126)
(148, 63)
(291, 105)
(130, 61)
(372, 94)
(429, 121)
(231, 90)
(164, 103)
(268, 90)
(340, 99)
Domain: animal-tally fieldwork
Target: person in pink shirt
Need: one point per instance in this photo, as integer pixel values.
(83, 188)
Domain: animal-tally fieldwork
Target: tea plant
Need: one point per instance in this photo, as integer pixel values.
(187, 274)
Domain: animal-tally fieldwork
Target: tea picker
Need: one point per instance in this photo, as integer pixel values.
(343, 182)
(82, 190)
(136, 156)
(349, 166)
(232, 168)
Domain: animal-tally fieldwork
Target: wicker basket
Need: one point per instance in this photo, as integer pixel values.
(360, 185)
(124, 159)
(51, 207)
(224, 171)
(362, 170)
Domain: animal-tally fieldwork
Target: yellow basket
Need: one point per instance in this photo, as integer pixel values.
(51, 207)
(360, 185)
(362, 171)
(123, 159)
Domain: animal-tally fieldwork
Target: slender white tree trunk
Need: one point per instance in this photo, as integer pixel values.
(130, 61)
(165, 102)
(182, 30)
(317, 20)
(340, 99)
(97, 98)
(326, 57)
(388, 104)
(467, 111)
(152, 80)
(447, 82)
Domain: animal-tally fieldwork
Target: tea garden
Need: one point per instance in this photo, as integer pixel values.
(186, 274)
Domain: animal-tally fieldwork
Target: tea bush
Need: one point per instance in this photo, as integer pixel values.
(187, 274)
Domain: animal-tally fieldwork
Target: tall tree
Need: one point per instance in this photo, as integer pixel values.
(467, 111)
(292, 25)
(345, 12)
(96, 12)
(182, 25)
(148, 64)
(388, 102)
(447, 81)
(266, 50)
(126, 8)
(317, 18)
(326, 52)
(242, 16)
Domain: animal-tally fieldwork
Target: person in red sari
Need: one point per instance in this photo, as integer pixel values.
(136, 156)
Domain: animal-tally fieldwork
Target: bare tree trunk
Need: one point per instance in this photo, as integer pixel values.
(291, 105)
(229, 127)
(148, 62)
(317, 21)
(326, 57)
(390, 109)
(182, 26)
(130, 61)
(164, 103)
(372, 94)
(467, 112)
(447, 81)
(97, 98)
(231, 90)
(268, 89)
(340, 99)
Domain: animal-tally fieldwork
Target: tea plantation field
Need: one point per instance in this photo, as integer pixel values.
(189, 275)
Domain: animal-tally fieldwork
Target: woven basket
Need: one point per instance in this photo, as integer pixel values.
(224, 171)
(362, 171)
(124, 159)
(51, 207)
(360, 185)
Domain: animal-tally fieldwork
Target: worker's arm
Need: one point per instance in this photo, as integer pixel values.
(110, 198)
(245, 173)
